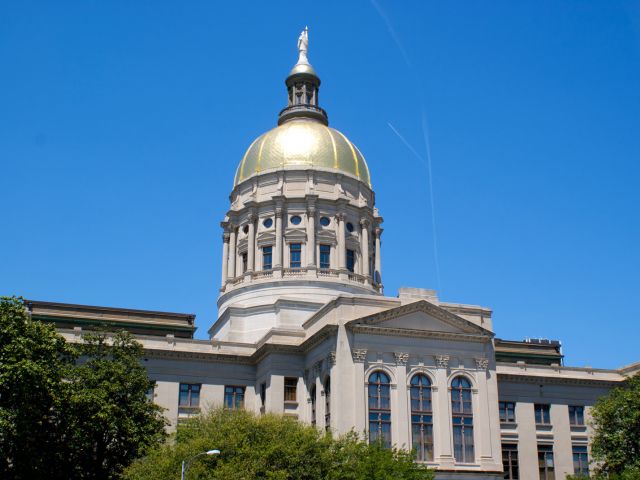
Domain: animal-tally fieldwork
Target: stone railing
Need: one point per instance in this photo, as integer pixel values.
(354, 277)
(262, 274)
(293, 272)
(328, 272)
(236, 280)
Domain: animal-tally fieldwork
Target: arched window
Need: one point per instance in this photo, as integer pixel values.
(462, 419)
(312, 394)
(421, 417)
(379, 409)
(327, 404)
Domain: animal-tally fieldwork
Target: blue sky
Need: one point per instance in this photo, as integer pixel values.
(122, 124)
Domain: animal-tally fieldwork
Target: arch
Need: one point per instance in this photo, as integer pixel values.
(416, 370)
(421, 416)
(461, 373)
(379, 403)
(461, 393)
(381, 368)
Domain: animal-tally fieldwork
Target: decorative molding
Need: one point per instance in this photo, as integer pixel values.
(359, 354)
(442, 361)
(331, 358)
(482, 363)
(317, 368)
(428, 308)
(413, 333)
(401, 358)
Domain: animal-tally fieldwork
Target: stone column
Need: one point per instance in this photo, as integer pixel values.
(442, 436)
(311, 235)
(341, 243)
(225, 257)
(364, 246)
(402, 420)
(378, 261)
(251, 245)
(231, 273)
(277, 254)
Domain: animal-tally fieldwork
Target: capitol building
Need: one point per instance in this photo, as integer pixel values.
(305, 328)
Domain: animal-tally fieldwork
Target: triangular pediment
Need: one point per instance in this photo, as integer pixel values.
(421, 316)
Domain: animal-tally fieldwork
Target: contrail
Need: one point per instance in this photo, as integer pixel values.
(425, 131)
(392, 31)
(427, 144)
(427, 164)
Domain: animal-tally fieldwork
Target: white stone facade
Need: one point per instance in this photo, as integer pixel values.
(304, 325)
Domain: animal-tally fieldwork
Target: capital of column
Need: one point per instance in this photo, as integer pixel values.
(226, 236)
(359, 354)
(364, 222)
(379, 231)
(401, 358)
(340, 216)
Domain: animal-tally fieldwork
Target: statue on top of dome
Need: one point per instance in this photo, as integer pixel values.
(303, 46)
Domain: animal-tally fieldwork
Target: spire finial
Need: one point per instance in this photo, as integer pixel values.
(303, 46)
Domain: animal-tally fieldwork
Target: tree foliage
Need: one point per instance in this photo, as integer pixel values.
(271, 447)
(616, 442)
(70, 411)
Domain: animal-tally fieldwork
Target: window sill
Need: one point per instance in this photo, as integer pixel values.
(545, 427)
(291, 403)
(578, 428)
(508, 425)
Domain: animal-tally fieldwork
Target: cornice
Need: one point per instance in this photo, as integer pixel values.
(430, 309)
(413, 333)
(555, 380)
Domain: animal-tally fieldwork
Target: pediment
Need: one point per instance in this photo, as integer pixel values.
(295, 234)
(421, 316)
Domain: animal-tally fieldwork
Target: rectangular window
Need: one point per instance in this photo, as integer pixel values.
(510, 461)
(351, 260)
(189, 395)
(507, 412)
(576, 415)
(149, 394)
(580, 460)
(325, 256)
(290, 389)
(267, 258)
(545, 462)
(244, 262)
(295, 255)
(233, 397)
(542, 414)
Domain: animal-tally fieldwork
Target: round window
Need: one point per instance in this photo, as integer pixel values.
(349, 227)
(267, 223)
(295, 220)
(245, 229)
(324, 221)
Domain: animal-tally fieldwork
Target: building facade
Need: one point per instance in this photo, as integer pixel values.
(304, 328)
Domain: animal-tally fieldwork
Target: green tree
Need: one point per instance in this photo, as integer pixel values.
(271, 447)
(112, 421)
(616, 421)
(34, 360)
(70, 411)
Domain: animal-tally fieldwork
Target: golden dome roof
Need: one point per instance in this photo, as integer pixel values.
(306, 144)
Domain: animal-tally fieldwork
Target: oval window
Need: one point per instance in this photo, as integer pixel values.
(245, 229)
(267, 223)
(324, 221)
(295, 220)
(349, 227)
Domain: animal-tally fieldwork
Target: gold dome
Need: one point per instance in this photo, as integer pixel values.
(306, 144)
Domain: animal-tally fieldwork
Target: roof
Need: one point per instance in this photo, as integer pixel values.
(146, 322)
